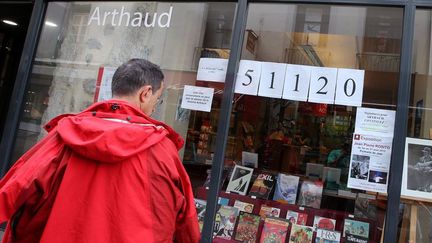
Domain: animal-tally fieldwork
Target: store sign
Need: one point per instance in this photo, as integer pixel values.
(302, 83)
(197, 98)
(371, 150)
(125, 18)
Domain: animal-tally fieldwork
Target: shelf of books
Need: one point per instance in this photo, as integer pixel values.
(263, 206)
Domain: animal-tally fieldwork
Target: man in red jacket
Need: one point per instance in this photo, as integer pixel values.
(107, 174)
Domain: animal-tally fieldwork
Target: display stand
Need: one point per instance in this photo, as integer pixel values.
(409, 220)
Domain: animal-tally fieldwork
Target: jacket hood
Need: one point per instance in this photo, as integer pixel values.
(111, 131)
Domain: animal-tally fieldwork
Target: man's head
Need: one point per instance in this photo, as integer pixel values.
(139, 82)
(426, 151)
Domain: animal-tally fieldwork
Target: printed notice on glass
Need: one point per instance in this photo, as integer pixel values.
(103, 84)
(375, 122)
(248, 77)
(212, 69)
(370, 162)
(322, 85)
(197, 98)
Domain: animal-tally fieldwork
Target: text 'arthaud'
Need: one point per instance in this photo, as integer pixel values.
(126, 18)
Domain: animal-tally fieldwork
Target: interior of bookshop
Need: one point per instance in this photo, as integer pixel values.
(309, 142)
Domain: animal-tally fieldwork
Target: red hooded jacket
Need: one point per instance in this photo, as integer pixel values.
(107, 174)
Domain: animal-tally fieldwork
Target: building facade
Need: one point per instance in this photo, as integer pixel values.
(351, 140)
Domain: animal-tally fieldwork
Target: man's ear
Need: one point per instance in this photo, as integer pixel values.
(145, 93)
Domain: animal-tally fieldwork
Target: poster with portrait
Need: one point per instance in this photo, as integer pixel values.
(417, 169)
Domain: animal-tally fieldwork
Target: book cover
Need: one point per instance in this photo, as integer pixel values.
(314, 171)
(286, 189)
(243, 206)
(364, 206)
(355, 239)
(274, 230)
(301, 234)
(331, 178)
(324, 223)
(263, 185)
(327, 236)
(223, 178)
(296, 217)
(226, 218)
(356, 228)
(200, 206)
(240, 179)
(247, 227)
(223, 201)
(267, 211)
(310, 194)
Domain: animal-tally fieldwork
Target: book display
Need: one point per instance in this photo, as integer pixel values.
(247, 217)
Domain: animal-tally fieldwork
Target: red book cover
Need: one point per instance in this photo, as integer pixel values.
(275, 230)
(247, 227)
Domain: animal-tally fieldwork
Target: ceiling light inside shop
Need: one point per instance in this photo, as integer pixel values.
(51, 24)
(9, 22)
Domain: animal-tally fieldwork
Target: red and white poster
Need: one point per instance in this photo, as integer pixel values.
(103, 84)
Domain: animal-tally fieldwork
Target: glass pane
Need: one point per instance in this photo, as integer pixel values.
(81, 46)
(415, 210)
(303, 151)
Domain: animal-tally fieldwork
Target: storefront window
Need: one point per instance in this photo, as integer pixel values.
(82, 44)
(415, 223)
(306, 163)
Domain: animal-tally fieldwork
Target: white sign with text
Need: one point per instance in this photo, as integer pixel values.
(297, 78)
(212, 69)
(248, 77)
(376, 122)
(197, 98)
(349, 87)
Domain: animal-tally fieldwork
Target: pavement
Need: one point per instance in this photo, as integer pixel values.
(1, 234)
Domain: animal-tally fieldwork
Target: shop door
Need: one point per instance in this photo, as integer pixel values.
(316, 94)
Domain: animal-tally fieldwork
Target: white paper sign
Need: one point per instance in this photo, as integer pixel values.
(370, 162)
(197, 98)
(248, 77)
(349, 87)
(212, 69)
(272, 79)
(376, 122)
(322, 85)
(297, 79)
(105, 84)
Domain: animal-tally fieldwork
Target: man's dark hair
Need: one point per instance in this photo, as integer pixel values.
(133, 75)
